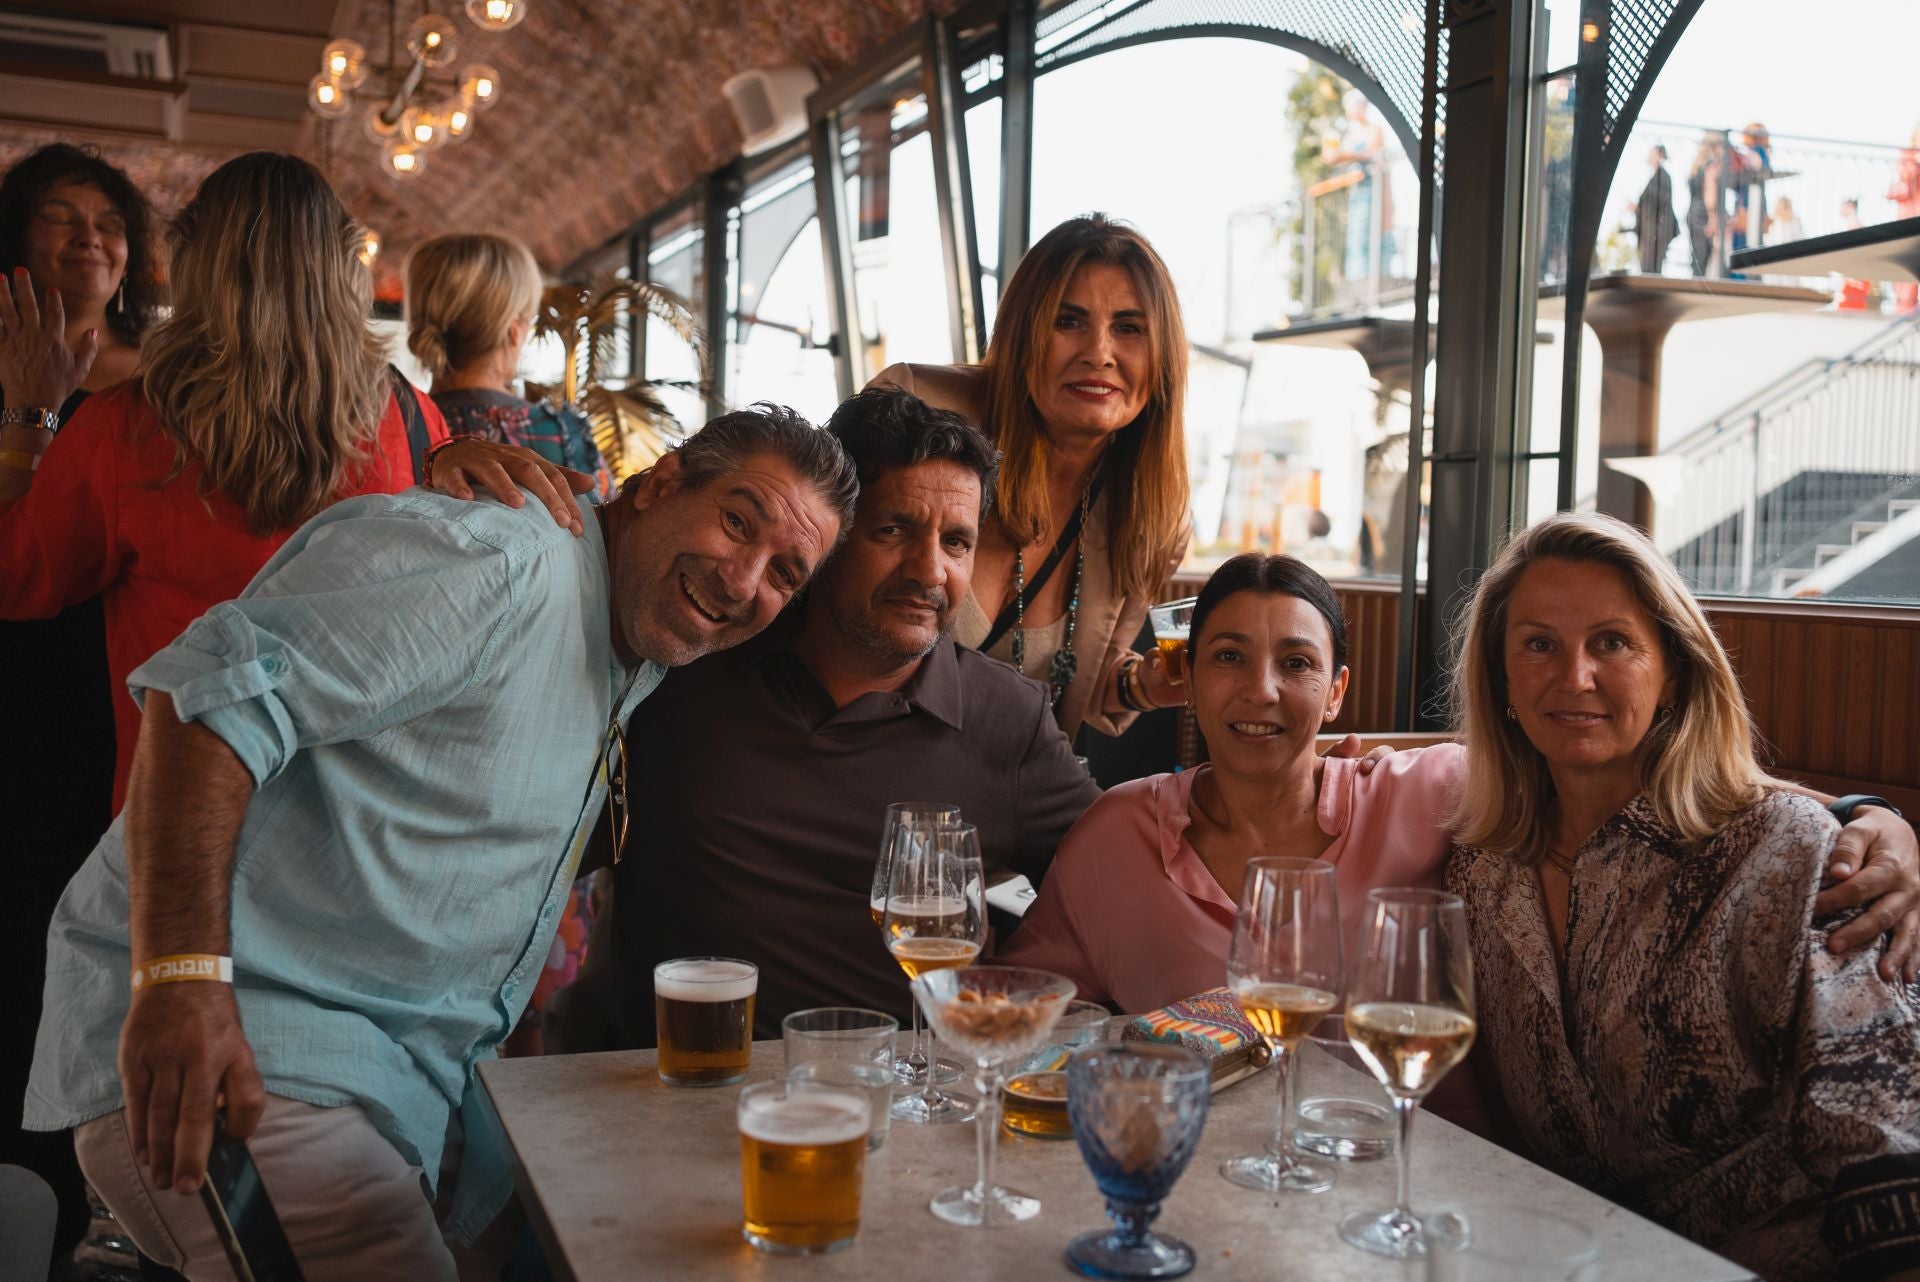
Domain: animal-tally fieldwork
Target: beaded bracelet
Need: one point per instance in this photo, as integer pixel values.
(1124, 687)
(426, 461)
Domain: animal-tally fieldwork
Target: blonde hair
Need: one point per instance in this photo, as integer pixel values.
(463, 293)
(1146, 489)
(267, 372)
(1697, 764)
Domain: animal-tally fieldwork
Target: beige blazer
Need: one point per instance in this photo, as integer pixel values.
(1108, 623)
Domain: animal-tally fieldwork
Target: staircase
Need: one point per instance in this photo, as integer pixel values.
(1801, 474)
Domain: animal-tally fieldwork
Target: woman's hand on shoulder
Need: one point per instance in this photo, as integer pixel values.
(37, 368)
(1876, 863)
(455, 468)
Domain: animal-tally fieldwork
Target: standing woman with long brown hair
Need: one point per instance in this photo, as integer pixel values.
(1084, 391)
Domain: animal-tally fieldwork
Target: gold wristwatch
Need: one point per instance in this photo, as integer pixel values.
(34, 416)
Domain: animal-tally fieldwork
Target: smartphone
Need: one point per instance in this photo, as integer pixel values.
(243, 1216)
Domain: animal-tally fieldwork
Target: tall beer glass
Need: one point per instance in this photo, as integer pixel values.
(703, 1007)
(803, 1153)
(1172, 621)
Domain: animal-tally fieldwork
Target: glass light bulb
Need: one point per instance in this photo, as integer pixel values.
(480, 86)
(327, 97)
(345, 62)
(369, 247)
(406, 162)
(422, 128)
(496, 15)
(431, 40)
(459, 122)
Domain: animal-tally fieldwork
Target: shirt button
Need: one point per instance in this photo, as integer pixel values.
(270, 664)
(546, 914)
(507, 992)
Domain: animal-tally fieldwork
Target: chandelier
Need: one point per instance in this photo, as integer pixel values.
(413, 104)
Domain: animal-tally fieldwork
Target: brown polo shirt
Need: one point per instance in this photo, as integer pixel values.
(758, 805)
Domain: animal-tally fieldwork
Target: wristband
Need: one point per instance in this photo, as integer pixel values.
(21, 460)
(426, 460)
(1123, 684)
(1842, 808)
(181, 968)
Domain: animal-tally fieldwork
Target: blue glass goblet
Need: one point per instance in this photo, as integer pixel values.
(1137, 1111)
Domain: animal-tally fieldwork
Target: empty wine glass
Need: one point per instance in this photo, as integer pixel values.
(1285, 970)
(934, 918)
(1137, 1111)
(1410, 1015)
(911, 1064)
(992, 1015)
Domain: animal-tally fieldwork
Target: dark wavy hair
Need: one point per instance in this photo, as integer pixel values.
(27, 183)
(884, 428)
(1273, 576)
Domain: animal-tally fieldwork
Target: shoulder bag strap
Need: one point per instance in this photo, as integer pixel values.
(1011, 613)
(418, 442)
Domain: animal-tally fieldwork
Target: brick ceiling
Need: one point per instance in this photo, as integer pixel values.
(608, 109)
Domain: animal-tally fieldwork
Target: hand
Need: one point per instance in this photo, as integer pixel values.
(501, 470)
(36, 365)
(180, 1047)
(1350, 747)
(1876, 862)
(1159, 688)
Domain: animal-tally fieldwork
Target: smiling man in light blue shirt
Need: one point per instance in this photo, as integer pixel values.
(368, 782)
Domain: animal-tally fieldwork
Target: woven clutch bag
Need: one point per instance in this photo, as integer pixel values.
(1212, 1025)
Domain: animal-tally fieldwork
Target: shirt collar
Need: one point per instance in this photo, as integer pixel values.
(937, 687)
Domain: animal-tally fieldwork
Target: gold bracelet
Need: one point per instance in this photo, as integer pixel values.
(20, 460)
(181, 968)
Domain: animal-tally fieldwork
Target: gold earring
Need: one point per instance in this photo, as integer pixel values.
(1512, 715)
(120, 296)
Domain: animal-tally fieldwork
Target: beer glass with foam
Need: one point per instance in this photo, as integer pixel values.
(803, 1154)
(704, 1011)
(1172, 622)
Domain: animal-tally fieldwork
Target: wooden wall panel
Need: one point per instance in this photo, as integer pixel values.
(1834, 690)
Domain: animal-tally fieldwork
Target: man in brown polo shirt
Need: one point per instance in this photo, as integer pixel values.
(761, 777)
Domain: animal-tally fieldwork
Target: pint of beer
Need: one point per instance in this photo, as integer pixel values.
(704, 1012)
(1171, 623)
(803, 1153)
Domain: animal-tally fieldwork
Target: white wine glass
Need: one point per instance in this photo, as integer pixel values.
(1410, 1016)
(934, 918)
(915, 1060)
(1285, 970)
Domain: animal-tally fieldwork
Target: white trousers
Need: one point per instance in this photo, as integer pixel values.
(354, 1210)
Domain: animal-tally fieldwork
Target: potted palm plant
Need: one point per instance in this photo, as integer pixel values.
(631, 423)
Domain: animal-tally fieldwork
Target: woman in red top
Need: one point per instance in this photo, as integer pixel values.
(263, 398)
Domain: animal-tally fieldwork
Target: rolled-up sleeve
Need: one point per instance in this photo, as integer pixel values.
(366, 619)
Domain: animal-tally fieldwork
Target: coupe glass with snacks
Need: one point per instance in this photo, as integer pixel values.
(994, 1015)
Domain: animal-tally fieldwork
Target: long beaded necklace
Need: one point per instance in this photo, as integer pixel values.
(1060, 672)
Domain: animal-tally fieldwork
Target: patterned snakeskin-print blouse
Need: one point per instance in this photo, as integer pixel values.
(1704, 1060)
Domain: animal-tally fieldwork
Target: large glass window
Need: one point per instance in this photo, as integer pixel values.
(1761, 426)
(676, 259)
(1291, 237)
(901, 301)
(778, 349)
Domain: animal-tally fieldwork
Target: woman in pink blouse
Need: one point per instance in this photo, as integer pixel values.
(1138, 908)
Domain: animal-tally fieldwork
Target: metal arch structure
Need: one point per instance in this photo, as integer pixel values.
(1624, 45)
(1366, 42)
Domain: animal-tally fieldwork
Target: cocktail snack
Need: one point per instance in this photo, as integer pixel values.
(994, 1017)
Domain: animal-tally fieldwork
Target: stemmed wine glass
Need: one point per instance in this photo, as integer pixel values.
(1137, 1111)
(934, 918)
(1285, 970)
(1410, 1016)
(915, 1058)
(993, 1015)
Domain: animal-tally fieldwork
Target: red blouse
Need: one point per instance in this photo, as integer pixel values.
(99, 522)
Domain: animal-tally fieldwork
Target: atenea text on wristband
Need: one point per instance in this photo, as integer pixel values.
(181, 968)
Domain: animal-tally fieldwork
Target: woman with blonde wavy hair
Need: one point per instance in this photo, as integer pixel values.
(1659, 991)
(471, 300)
(1084, 391)
(261, 399)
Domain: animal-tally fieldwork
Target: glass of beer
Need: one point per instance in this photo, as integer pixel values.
(803, 1154)
(703, 1007)
(935, 919)
(1284, 969)
(1034, 1100)
(1410, 1015)
(913, 1062)
(1171, 624)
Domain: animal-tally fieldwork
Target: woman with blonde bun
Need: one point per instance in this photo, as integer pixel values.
(471, 299)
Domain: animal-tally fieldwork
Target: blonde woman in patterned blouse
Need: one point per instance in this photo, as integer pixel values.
(1668, 1025)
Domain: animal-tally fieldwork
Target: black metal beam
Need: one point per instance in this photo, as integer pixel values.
(953, 196)
(1016, 136)
(719, 214)
(830, 200)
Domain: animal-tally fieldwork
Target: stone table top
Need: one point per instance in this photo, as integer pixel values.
(627, 1178)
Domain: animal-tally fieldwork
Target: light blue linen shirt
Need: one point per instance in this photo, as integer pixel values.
(422, 689)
